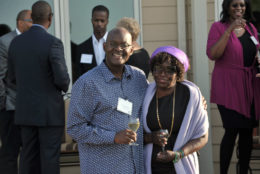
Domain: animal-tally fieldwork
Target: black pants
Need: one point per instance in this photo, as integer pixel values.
(41, 149)
(232, 122)
(244, 149)
(10, 143)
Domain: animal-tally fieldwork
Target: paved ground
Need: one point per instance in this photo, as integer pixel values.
(70, 170)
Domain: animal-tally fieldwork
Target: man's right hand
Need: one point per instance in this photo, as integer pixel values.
(125, 137)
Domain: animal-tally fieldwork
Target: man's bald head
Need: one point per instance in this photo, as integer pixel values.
(24, 20)
(118, 47)
(118, 31)
(41, 12)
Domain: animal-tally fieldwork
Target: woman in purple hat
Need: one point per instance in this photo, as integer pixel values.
(175, 122)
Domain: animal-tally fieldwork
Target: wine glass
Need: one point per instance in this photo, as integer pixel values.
(164, 134)
(134, 124)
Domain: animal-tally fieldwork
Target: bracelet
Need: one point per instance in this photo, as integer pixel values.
(177, 157)
(182, 154)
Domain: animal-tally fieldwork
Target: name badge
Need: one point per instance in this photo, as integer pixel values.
(86, 58)
(254, 40)
(124, 106)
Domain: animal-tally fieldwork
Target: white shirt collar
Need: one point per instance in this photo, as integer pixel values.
(103, 39)
(98, 48)
(17, 31)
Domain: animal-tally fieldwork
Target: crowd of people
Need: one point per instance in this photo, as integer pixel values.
(110, 88)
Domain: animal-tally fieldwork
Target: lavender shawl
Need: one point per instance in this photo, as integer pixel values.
(195, 124)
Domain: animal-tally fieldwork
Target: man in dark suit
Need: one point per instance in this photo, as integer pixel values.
(37, 66)
(90, 53)
(10, 139)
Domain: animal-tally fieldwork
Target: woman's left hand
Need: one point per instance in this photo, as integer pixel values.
(166, 156)
(204, 102)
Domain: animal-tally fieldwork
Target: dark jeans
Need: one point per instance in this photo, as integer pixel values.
(10, 143)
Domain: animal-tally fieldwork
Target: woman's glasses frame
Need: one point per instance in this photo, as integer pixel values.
(170, 70)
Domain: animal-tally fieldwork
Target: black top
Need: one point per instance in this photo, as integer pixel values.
(140, 59)
(249, 50)
(165, 114)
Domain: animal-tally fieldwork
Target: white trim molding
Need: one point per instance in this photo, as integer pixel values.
(181, 20)
(62, 30)
(200, 69)
(138, 17)
(218, 9)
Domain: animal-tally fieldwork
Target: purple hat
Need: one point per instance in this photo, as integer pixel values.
(176, 52)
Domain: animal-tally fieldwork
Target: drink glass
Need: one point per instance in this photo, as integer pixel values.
(165, 134)
(133, 124)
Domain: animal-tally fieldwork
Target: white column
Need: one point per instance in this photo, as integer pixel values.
(138, 17)
(201, 71)
(218, 8)
(62, 30)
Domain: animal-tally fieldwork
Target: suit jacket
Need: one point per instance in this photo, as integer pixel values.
(7, 93)
(37, 66)
(85, 48)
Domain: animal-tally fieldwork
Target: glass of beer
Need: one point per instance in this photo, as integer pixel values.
(133, 124)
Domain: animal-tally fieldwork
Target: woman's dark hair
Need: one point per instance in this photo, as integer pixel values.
(162, 57)
(224, 15)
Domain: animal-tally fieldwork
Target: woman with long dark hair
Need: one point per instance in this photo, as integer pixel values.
(232, 44)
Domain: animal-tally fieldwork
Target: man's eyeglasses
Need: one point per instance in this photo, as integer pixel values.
(27, 20)
(237, 4)
(170, 70)
(120, 46)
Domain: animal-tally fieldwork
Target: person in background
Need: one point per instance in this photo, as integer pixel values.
(176, 105)
(102, 102)
(140, 57)
(36, 65)
(232, 44)
(4, 29)
(90, 53)
(10, 138)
